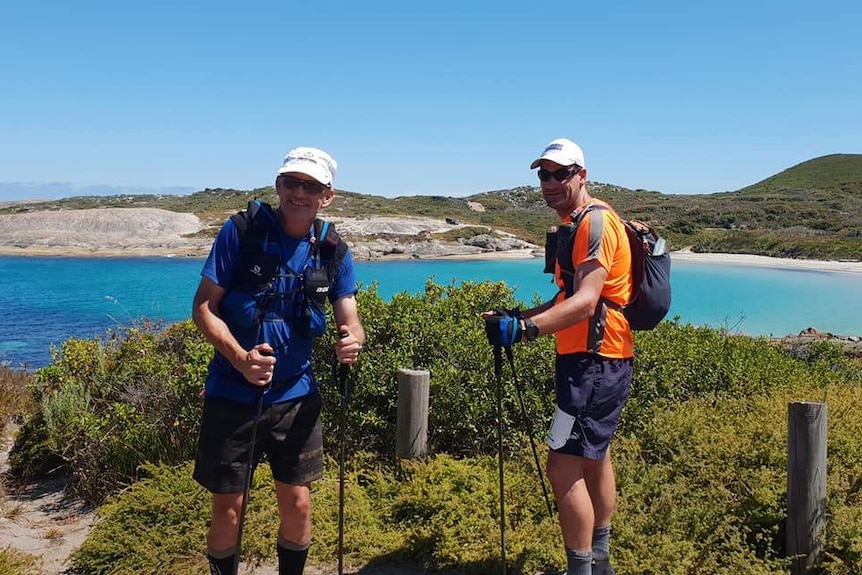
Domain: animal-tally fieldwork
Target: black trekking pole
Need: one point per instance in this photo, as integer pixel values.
(246, 493)
(498, 373)
(529, 427)
(340, 374)
(249, 471)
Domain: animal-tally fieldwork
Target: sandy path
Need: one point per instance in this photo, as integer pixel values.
(40, 520)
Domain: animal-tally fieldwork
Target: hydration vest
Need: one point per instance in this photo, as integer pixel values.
(257, 270)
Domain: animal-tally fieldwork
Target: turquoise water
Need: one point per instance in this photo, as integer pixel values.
(44, 301)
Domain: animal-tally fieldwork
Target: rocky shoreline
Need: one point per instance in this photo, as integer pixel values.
(797, 345)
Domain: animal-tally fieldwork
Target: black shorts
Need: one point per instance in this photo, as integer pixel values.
(594, 390)
(289, 433)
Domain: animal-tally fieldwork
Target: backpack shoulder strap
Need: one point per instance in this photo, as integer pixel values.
(250, 217)
(252, 225)
(328, 246)
(593, 206)
(565, 256)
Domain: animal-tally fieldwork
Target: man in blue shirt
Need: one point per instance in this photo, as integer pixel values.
(260, 303)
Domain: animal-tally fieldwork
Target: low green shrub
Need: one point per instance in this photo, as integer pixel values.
(677, 362)
(701, 490)
(441, 514)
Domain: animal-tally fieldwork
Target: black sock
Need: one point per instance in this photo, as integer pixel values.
(222, 565)
(291, 556)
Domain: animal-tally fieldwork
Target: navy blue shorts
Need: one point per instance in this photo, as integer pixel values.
(289, 433)
(594, 390)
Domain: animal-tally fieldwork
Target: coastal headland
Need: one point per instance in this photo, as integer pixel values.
(147, 232)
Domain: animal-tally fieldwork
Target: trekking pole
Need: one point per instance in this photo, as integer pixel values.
(246, 493)
(498, 373)
(249, 471)
(529, 427)
(340, 373)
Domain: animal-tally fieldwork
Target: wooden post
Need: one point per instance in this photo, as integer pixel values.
(806, 484)
(411, 433)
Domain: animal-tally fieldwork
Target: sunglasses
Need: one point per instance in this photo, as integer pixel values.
(308, 186)
(560, 175)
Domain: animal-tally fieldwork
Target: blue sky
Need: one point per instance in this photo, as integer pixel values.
(448, 98)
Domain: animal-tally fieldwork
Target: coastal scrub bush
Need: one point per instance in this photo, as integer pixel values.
(108, 406)
(157, 526)
(703, 485)
(441, 330)
(677, 362)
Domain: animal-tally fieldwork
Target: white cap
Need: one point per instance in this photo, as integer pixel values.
(311, 162)
(562, 151)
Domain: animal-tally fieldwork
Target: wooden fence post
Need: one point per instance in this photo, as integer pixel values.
(806, 484)
(411, 425)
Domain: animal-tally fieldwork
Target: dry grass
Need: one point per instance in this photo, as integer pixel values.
(53, 533)
(14, 398)
(11, 511)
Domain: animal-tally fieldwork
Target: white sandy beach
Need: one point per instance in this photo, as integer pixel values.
(688, 256)
(766, 262)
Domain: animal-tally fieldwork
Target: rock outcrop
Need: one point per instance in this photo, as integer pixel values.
(110, 231)
(151, 231)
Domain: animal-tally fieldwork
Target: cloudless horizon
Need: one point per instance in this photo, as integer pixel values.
(449, 98)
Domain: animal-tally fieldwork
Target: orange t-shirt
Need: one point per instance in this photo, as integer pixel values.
(601, 236)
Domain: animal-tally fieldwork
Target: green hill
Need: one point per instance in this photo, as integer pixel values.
(837, 171)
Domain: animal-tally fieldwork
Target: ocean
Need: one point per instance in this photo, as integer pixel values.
(46, 300)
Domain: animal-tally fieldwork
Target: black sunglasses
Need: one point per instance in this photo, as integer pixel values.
(560, 175)
(308, 186)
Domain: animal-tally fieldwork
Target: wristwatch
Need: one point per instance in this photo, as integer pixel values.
(529, 329)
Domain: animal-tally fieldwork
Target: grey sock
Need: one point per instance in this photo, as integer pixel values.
(602, 542)
(580, 562)
(291, 546)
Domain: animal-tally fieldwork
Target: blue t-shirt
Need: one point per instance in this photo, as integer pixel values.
(280, 314)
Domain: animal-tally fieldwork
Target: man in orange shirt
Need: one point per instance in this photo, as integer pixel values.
(594, 356)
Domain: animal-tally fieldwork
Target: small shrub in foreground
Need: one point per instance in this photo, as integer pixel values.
(15, 401)
(15, 563)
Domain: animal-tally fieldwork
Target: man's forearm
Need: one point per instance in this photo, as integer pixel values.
(567, 313)
(534, 311)
(216, 331)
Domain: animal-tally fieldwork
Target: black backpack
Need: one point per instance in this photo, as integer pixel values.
(651, 298)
